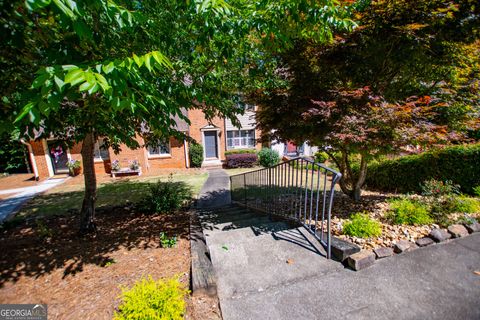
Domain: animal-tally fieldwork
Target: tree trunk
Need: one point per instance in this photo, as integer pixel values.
(87, 215)
(351, 184)
(362, 174)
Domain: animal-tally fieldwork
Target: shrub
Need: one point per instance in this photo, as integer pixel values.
(476, 191)
(149, 299)
(321, 156)
(196, 155)
(243, 160)
(167, 242)
(467, 205)
(458, 164)
(240, 151)
(404, 211)
(268, 157)
(360, 225)
(437, 188)
(165, 197)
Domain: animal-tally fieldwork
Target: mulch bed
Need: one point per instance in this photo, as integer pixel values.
(80, 277)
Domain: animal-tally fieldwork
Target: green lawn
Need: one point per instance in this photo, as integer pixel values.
(62, 199)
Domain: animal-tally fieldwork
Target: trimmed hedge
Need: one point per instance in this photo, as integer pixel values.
(240, 151)
(459, 164)
(196, 155)
(243, 160)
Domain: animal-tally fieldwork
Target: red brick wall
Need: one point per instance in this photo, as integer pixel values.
(198, 121)
(175, 160)
(126, 155)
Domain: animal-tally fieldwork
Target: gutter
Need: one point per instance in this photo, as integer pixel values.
(32, 158)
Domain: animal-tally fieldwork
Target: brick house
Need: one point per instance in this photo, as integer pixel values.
(49, 156)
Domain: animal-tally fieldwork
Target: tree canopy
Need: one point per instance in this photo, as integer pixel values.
(79, 70)
(408, 75)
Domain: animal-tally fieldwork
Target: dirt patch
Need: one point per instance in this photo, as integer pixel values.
(80, 277)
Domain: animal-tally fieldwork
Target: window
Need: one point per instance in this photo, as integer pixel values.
(160, 148)
(100, 152)
(249, 107)
(239, 139)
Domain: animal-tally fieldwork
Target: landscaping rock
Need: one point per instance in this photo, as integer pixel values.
(361, 260)
(439, 235)
(423, 242)
(383, 252)
(457, 230)
(473, 227)
(402, 246)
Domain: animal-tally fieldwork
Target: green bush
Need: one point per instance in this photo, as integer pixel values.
(459, 164)
(476, 191)
(404, 211)
(360, 225)
(196, 155)
(268, 157)
(467, 205)
(166, 196)
(149, 299)
(321, 156)
(240, 151)
(435, 188)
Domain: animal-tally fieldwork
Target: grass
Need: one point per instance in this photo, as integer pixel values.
(60, 200)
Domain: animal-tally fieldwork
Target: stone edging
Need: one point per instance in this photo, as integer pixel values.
(365, 258)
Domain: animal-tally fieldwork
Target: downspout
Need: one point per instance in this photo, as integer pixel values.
(187, 156)
(32, 158)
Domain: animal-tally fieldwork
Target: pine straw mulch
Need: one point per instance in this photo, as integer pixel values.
(80, 277)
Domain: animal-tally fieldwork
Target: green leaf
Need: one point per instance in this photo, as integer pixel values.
(59, 82)
(40, 80)
(138, 60)
(26, 110)
(36, 4)
(86, 86)
(102, 81)
(147, 58)
(75, 77)
(108, 68)
(66, 10)
(161, 59)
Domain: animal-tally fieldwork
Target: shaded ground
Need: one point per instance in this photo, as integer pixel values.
(79, 277)
(67, 198)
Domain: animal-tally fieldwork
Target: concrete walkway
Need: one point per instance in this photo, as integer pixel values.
(267, 269)
(20, 195)
(436, 282)
(216, 190)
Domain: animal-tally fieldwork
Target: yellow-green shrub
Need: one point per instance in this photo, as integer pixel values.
(467, 205)
(150, 299)
(360, 225)
(405, 211)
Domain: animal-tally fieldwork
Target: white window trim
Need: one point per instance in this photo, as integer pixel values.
(240, 147)
(160, 156)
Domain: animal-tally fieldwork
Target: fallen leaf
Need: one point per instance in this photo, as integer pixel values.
(225, 248)
(477, 272)
(289, 261)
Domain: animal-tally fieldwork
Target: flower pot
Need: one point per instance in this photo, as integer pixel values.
(75, 171)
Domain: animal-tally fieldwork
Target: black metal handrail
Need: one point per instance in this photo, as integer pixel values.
(298, 189)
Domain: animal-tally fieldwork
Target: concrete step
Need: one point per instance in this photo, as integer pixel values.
(221, 237)
(251, 221)
(266, 261)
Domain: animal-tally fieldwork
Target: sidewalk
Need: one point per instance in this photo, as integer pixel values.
(20, 195)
